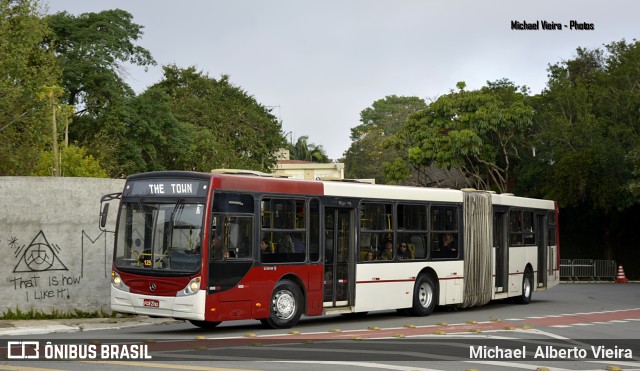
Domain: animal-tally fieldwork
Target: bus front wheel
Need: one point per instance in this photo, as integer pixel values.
(424, 296)
(285, 306)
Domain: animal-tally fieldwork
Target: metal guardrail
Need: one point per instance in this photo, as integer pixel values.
(587, 269)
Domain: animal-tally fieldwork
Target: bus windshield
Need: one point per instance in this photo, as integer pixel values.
(161, 236)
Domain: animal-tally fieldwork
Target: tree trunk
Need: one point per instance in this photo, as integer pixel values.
(56, 159)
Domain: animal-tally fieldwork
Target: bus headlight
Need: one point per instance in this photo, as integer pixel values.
(191, 288)
(116, 281)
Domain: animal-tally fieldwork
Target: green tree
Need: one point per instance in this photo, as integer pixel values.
(144, 136)
(369, 149)
(76, 162)
(480, 133)
(231, 129)
(587, 136)
(26, 66)
(92, 48)
(304, 151)
(587, 128)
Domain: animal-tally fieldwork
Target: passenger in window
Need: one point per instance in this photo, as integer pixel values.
(265, 247)
(387, 254)
(369, 256)
(286, 245)
(403, 251)
(217, 246)
(449, 246)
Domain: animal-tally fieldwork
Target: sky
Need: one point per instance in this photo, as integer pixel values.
(318, 63)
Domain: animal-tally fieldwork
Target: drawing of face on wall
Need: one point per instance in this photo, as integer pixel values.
(39, 256)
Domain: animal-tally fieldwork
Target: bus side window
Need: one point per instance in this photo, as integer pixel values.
(284, 224)
(376, 223)
(551, 220)
(528, 228)
(217, 238)
(515, 228)
(232, 237)
(244, 236)
(413, 228)
(444, 232)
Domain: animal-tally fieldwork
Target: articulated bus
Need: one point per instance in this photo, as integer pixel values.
(214, 247)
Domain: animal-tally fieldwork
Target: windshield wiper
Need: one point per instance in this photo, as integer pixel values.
(176, 210)
(179, 203)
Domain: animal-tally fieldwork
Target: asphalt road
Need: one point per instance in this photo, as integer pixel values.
(571, 327)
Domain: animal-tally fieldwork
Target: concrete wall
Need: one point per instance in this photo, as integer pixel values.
(52, 253)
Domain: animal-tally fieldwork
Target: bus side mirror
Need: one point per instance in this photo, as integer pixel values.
(103, 215)
(104, 211)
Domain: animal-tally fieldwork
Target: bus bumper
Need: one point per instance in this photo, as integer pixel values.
(181, 307)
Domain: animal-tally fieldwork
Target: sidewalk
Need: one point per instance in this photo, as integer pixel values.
(38, 327)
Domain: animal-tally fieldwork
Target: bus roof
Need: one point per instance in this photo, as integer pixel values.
(243, 182)
(508, 199)
(380, 191)
(250, 182)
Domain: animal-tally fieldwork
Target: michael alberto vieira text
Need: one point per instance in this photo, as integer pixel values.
(550, 352)
(546, 25)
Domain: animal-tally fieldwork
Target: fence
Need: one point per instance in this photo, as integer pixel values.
(587, 269)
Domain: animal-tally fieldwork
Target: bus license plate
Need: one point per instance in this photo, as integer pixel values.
(151, 303)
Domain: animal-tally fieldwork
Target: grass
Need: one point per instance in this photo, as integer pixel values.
(54, 314)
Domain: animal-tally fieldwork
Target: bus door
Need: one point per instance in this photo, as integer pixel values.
(500, 238)
(541, 240)
(339, 266)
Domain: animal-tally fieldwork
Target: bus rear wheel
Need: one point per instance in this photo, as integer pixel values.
(204, 324)
(285, 306)
(527, 288)
(424, 296)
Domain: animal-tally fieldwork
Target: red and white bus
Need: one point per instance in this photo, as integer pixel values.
(212, 247)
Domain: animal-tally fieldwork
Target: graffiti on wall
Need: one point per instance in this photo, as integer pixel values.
(40, 272)
(39, 256)
(88, 242)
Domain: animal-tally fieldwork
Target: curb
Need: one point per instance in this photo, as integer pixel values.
(40, 327)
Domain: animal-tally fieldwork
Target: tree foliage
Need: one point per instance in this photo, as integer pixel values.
(76, 162)
(304, 151)
(188, 121)
(232, 130)
(589, 126)
(143, 135)
(92, 48)
(480, 133)
(369, 149)
(25, 67)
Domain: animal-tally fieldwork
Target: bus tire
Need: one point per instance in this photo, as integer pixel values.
(424, 296)
(285, 306)
(527, 288)
(204, 324)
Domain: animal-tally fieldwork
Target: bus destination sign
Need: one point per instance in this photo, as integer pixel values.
(166, 188)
